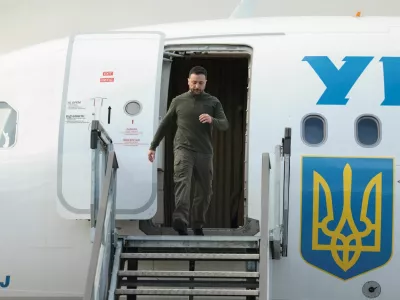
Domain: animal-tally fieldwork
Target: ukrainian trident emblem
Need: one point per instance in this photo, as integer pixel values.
(347, 214)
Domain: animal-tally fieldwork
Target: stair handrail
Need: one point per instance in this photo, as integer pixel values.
(101, 144)
(105, 237)
(264, 239)
(286, 151)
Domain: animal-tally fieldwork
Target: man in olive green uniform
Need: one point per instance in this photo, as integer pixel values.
(196, 113)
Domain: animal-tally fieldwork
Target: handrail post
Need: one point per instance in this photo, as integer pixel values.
(264, 241)
(275, 231)
(95, 182)
(99, 229)
(100, 143)
(103, 209)
(286, 182)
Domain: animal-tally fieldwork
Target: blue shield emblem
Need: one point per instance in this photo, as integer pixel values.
(347, 214)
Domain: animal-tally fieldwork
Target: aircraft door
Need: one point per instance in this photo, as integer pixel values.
(114, 78)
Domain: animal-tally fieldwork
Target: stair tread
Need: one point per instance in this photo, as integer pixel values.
(190, 241)
(160, 238)
(151, 273)
(194, 256)
(195, 292)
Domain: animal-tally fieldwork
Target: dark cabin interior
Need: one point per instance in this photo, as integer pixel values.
(228, 81)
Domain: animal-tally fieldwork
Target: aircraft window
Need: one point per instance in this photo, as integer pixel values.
(367, 131)
(8, 125)
(314, 131)
(133, 108)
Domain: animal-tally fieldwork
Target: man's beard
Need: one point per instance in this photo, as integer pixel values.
(196, 91)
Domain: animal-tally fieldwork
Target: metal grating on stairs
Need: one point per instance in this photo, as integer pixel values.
(132, 280)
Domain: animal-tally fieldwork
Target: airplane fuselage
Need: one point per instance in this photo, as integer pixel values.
(334, 81)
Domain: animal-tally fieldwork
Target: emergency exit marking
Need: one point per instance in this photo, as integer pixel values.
(106, 79)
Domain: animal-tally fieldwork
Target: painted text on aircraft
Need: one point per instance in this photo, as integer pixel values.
(340, 81)
(6, 283)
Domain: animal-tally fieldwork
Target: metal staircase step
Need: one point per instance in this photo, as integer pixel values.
(215, 274)
(224, 242)
(188, 292)
(180, 283)
(188, 283)
(190, 256)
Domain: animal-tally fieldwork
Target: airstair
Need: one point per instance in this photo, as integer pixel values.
(129, 280)
(125, 267)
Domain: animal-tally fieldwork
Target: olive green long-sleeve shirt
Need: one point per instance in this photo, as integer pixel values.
(191, 133)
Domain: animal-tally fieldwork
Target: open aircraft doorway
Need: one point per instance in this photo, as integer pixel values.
(229, 70)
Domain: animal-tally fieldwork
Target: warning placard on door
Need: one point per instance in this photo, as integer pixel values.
(107, 76)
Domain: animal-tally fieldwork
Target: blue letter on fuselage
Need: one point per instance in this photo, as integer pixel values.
(391, 77)
(338, 82)
(6, 283)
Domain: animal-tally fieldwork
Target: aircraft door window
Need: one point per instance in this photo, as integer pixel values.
(368, 131)
(314, 130)
(133, 108)
(8, 125)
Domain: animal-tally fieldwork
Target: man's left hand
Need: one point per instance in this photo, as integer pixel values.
(205, 118)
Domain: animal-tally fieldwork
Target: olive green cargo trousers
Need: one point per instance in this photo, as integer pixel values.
(186, 164)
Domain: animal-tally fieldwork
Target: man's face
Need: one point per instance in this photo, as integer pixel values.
(197, 83)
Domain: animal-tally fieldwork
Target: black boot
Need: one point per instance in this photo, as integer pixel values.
(198, 231)
(180, 227)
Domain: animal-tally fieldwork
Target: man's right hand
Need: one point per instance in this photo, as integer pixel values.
(151, 155)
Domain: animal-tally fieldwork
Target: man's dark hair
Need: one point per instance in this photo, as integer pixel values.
(198, 70)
